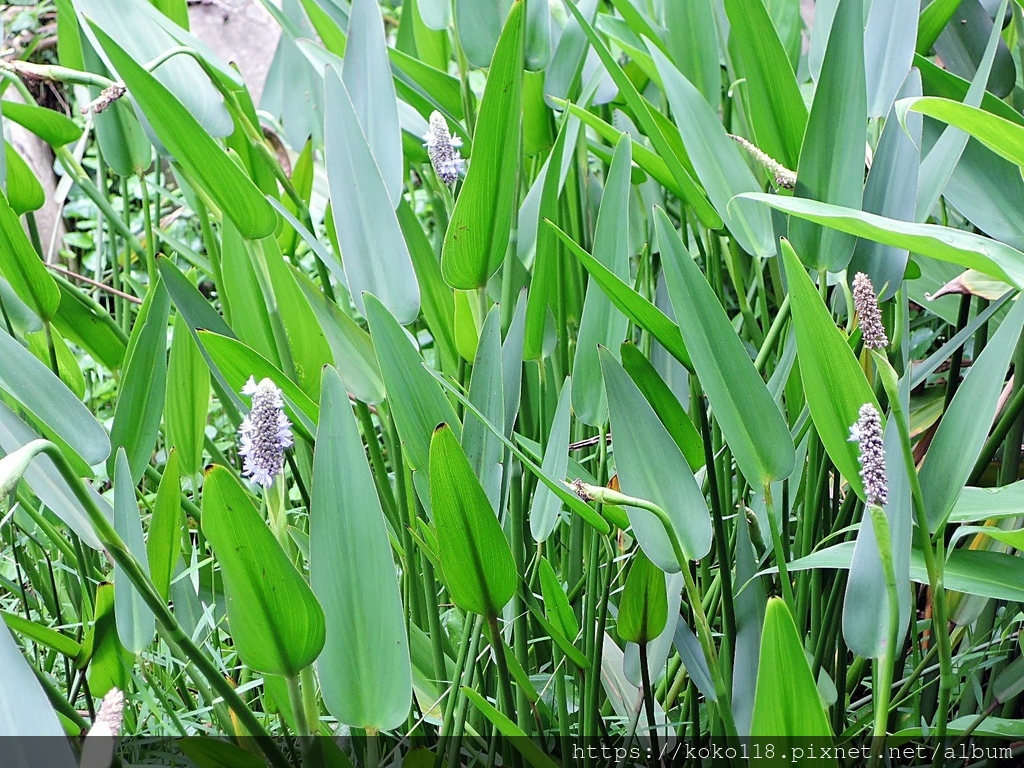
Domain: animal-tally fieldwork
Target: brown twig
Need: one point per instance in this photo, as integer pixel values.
(74, 275)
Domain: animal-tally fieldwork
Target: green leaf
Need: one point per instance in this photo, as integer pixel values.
(236, 362)
(417, 403)
(691, 39)
(435, 294)
(350, 344)
(777, 115)
(140, 400)
(22, 266)
(475, 557)
(664, 402)
(52, 127)
(834, 383)
(1002, 136)
(966, 249)
(487, 392)
(46, 636)
(976, 504)
(47, 398)
(46, 481)
(651, 467)
(717, 159)
(533, 754)
(276, 623)
(786, 703)
(188, 398)
(477, 236)
(367, 77)
(601, 324)
(891, 190)
(136, 623)
(546, 505)
(974, 572)
(24, 191)
(29, 713)
(163, 545)
(373, 250)
(630, 303)
(966, 423)
(643, 608)
(191, 146)
(750, 420)
(831, 167)
(556, 602)
(933, 20)
(83, 321)
(478, 24)
(365, 672)
(889, 38)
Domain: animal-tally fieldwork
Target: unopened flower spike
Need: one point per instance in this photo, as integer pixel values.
(867, 433)
(443, 150)
(264, 434)
(111, 714)
(784, 177)
(865, 301)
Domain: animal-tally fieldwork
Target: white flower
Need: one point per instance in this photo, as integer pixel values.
(264, 433)
(867, 433)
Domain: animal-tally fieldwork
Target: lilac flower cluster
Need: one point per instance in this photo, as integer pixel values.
(867, 433)
(264, 434)
(443, 150)
(865, 301)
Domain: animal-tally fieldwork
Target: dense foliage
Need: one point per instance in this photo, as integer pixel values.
(601, 372)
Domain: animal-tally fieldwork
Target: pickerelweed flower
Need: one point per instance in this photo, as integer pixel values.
(111, 714)
(264, 434)
(443, 150)
(865, 301)
(867, 433)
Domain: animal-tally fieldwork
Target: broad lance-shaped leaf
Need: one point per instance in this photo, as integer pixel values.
(487, 392)
(744, 408)
(140, 399)
(1002, 136)
(831, 167)
(786, 702)
(717, 159)
(192, 147)
(651, 467)
(417, 402)
(778, 115)
(21, 266)
(29, 713)
(956, 246)
(834, 383)
(276, 623)
(368, 79)
(373, 250)
(136, 624)
(476, 560)
(643, 608)
(891, 190)
(478, 26)
(965, 424)
(889, 38)
(601, 324)
(365, 671)
(546, 505)
(478, 233)
(47, 398)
